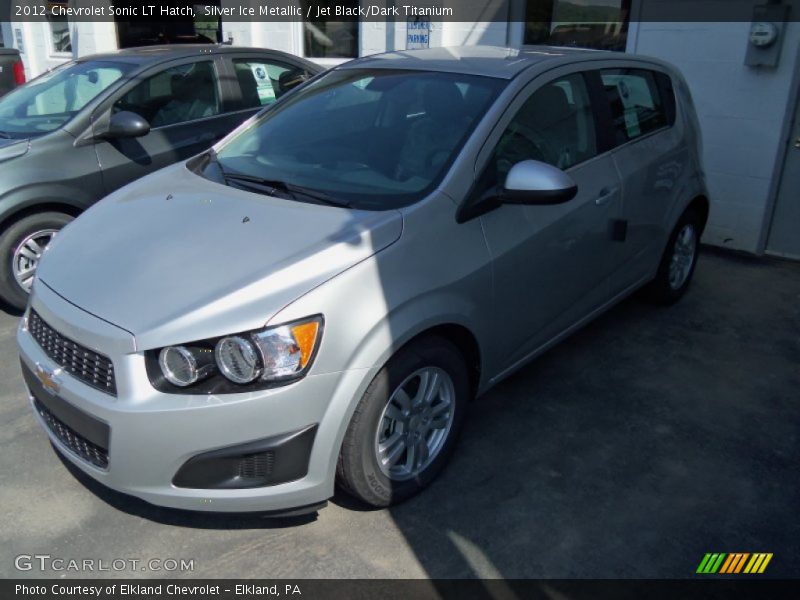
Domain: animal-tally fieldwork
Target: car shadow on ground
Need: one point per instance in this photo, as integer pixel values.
(183, 518)
(10, 310)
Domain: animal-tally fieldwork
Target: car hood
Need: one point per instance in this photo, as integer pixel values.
(174, 257)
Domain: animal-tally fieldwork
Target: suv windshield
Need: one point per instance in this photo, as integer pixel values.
(371, 139)
(51, 100)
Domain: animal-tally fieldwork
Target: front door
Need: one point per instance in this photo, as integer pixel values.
(551, 263)
(184, 106)
(784, 234)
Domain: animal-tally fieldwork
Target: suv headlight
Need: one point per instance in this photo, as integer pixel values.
(237, 363)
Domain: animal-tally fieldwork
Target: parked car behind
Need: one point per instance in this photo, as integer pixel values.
(86, 128)
(12, 71)
(316, 299)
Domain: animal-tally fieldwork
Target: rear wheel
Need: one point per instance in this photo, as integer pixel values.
(405, 426)
(678, 261)
(21, 247)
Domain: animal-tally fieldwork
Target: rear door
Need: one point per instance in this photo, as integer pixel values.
(185, 103)
(652, 159)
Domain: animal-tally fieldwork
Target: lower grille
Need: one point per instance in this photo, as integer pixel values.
(257, 466)
(71, 439)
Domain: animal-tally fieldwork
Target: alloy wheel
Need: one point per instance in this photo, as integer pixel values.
(27, 255)
(415, 423)
(683, 255)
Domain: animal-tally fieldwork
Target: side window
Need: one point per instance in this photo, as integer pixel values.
(637, 107)
(555, 125)
(263, 82)
(176, 95)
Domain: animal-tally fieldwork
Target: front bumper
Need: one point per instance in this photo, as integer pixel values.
(152, 437)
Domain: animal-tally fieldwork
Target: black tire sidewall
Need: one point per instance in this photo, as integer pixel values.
(660, 289)
(11, 237)
(365, 478)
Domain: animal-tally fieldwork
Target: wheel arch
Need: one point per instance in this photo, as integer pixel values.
(701, 204)
(22, 210)
(465, 342)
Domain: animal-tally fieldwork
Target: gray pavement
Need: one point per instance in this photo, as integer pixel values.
(644, 441)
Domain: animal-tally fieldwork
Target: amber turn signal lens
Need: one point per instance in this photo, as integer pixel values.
(305, 334)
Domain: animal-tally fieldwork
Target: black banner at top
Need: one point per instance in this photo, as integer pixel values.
(470, 11)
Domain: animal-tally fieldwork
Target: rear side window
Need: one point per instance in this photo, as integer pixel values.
(641, 101)
(262, 82)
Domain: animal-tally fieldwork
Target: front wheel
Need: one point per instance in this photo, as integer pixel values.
(405, 426)
(21, 247)
(678, 261)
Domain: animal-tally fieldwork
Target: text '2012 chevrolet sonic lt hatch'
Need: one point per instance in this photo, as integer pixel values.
(315, 300)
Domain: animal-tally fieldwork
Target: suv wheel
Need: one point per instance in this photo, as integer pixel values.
(21, 247)
(405, 426)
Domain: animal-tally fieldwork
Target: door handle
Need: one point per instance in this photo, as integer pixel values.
(797, 143)
(605, 195)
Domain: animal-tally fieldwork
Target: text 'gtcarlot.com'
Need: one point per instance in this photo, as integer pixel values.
(46, 562)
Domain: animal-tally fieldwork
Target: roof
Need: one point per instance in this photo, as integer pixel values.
(491, 61)
(155, 54)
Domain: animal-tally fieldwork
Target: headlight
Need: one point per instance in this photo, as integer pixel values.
(237, 363)
(237, 358)
(184, 366)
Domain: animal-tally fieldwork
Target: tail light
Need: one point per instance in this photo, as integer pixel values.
(19, 72)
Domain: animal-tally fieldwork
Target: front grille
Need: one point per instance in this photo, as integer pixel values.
(71, 439)
(90, 367)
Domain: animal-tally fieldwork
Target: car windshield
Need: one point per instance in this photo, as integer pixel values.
(371, 139)
(53, 99)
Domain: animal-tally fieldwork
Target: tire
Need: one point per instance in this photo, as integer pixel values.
(679, 260)
(11, 241)
(359, 472)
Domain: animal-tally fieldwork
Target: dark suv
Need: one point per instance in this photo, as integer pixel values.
(86, 128)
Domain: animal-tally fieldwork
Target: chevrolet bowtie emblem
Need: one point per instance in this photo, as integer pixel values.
(48, 379)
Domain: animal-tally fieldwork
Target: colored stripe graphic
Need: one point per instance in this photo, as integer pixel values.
(758, 563)
(711, 562)
(728, 564)
(734, 563)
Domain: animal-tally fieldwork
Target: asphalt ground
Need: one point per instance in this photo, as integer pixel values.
(649, 438)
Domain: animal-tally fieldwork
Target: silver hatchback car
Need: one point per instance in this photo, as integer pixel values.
(315, 301)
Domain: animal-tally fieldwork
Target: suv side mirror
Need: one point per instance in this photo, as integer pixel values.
(126, 124)
(535, 182)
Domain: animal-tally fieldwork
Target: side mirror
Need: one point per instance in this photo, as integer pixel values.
(535, 182)
(126, 124)
(291, 79)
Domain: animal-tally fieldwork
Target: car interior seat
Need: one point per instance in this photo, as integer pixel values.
(248, 85)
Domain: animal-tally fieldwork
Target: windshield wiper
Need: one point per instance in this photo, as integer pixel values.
(271, 186)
